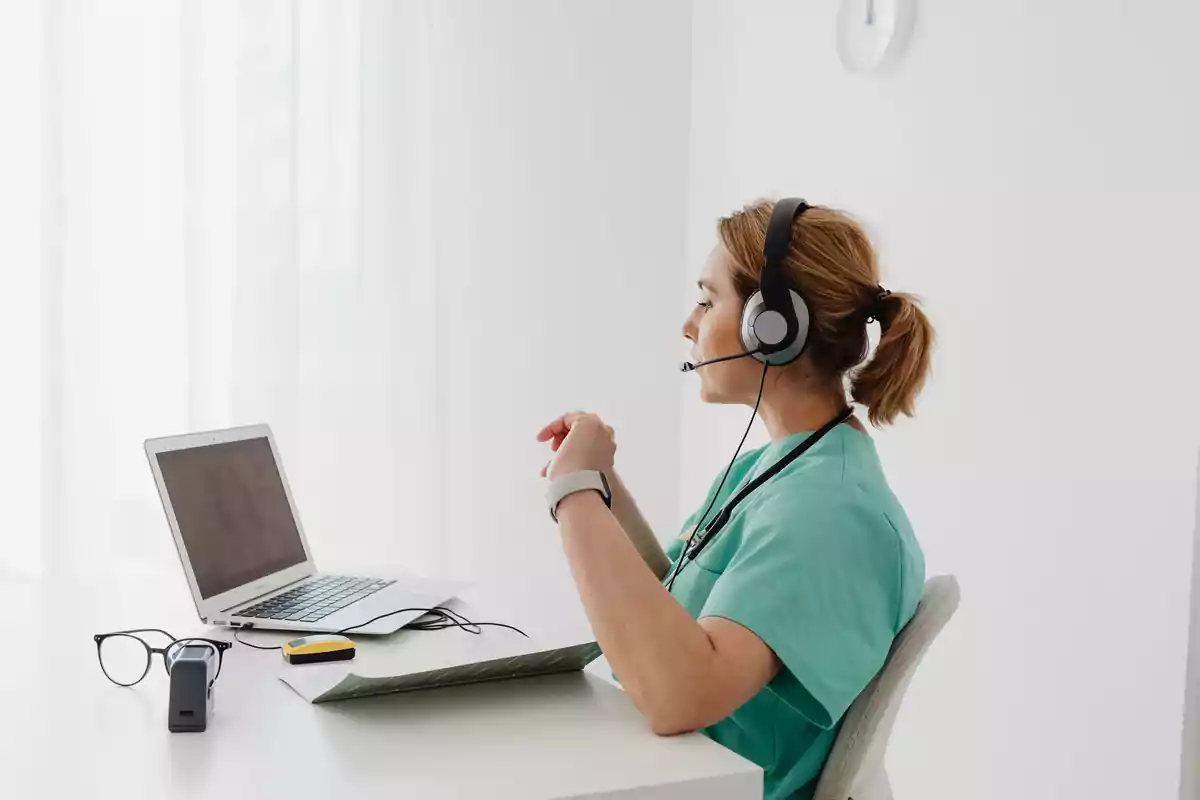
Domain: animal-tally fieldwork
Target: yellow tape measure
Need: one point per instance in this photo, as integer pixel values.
(317, 648)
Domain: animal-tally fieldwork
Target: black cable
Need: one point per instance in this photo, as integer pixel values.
(452, 619)
(449, 620)
(236, 631)
(446, 618)
(691, 537)
(443, 618)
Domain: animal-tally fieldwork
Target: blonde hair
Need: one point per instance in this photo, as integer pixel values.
(831, 263)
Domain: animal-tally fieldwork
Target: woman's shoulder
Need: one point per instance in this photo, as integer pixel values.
(799, 497)
(840, 511)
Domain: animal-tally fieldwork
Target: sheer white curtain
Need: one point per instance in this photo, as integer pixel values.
(20, 290)
(235, 228)
(405, 234)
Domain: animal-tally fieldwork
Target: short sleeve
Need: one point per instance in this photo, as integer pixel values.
(819, 583)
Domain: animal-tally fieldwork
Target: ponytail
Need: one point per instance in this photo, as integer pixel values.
(889, 383)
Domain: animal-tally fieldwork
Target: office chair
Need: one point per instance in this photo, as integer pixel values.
(855, 768)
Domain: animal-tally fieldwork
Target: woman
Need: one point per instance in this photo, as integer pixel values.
(764, 639)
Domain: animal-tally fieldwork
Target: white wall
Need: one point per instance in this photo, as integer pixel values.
(561, 214)
(1031, 169)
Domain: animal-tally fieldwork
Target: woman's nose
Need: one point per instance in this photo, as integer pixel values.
(689, 327)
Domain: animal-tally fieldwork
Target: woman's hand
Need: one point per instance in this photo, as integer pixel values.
(623, 507)
(580, 441)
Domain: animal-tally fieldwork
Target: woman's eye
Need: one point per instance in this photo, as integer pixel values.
(705, 304)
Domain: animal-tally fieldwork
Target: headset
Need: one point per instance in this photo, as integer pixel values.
(774, 326)
(774, 330)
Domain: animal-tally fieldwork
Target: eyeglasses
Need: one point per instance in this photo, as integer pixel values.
(125, 656)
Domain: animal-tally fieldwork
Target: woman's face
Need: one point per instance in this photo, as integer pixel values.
(712, 328)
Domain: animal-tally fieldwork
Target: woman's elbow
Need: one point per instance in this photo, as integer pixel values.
(677, 719)
(681, 706)
(671, 726)
(668, 726)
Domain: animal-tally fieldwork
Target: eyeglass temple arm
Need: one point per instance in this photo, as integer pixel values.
(170, 636)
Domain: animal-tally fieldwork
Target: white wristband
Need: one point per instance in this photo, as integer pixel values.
(576, 482)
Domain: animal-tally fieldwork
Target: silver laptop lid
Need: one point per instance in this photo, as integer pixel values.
(231, 513)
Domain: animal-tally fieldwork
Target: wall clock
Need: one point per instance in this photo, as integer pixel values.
(873, 34)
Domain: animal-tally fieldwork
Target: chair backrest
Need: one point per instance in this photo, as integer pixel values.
(855, 766)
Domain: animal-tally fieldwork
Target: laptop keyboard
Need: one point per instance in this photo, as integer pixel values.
(315, 600)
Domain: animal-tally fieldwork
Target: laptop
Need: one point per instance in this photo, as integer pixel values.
(244, 551)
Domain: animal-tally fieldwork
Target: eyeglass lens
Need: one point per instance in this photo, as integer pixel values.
(125, 659)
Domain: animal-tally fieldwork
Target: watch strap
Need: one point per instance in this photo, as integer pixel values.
(581, 481)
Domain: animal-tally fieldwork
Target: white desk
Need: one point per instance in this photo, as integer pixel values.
(65, 730)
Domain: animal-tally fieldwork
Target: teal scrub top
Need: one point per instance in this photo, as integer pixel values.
(821, 564)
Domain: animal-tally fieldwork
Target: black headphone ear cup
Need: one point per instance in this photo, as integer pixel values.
(759, 321)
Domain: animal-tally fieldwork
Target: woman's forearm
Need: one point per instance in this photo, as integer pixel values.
(661, 655)
(630, 516)
(681, 673)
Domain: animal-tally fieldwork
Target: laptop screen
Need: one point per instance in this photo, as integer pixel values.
(232, 511)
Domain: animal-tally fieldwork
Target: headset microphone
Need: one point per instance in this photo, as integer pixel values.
(688, 366)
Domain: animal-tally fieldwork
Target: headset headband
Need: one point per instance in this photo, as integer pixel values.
(773, 281)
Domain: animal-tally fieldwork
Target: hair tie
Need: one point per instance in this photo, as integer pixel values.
(875, 310)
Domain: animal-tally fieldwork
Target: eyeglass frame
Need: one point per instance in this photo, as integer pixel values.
(219, 645)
